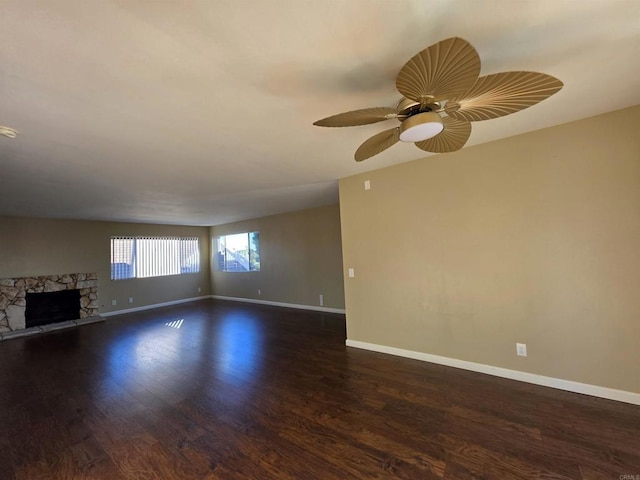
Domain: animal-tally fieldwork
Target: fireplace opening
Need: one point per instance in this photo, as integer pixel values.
(51, 307)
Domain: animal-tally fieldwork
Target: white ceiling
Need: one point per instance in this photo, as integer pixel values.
(201, 112)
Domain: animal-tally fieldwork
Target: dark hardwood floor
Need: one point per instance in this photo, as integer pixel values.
(242, 391)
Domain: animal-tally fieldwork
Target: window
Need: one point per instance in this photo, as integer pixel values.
(141, 257)
(237, 253)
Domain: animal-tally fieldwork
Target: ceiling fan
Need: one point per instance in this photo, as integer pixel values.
(442, 93)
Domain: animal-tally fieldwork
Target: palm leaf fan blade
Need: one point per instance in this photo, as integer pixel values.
(354, 118)
(501, 94)
(445, 69)
(377, 144)
(452, 138)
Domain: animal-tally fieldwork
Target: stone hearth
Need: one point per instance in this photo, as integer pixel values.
(13, 292)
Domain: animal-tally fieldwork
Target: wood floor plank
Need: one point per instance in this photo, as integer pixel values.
(249, 391)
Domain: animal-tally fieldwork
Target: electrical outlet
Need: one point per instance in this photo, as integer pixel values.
(114, 302)
(321, 300)
(367, 185)
(130, 299)
(521, 349)
(352, 272)
(199, 289)
(259, 292)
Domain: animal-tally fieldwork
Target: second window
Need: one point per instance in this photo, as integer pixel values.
(239, 252)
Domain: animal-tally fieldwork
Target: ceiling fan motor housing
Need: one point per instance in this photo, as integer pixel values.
(407, 107)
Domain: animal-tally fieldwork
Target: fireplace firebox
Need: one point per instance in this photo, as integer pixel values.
(51, 307)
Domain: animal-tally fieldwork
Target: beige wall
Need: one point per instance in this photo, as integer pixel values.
(532, 239)
(301, 258)
(48, 247)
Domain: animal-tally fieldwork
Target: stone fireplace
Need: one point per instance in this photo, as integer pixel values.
(14, 293)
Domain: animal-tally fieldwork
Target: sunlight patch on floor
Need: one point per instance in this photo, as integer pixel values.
(175, 324)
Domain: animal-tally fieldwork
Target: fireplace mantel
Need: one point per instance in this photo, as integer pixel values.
(13, 292)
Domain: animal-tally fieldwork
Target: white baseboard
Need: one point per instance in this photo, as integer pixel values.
(154, 305)
(568, 385)
(281, 304)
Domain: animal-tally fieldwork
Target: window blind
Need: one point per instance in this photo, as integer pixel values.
(143, 257)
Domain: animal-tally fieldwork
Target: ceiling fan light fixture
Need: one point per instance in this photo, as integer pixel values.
(420, 127)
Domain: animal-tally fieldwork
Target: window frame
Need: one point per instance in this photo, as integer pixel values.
(252, 263)
(164, 256)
